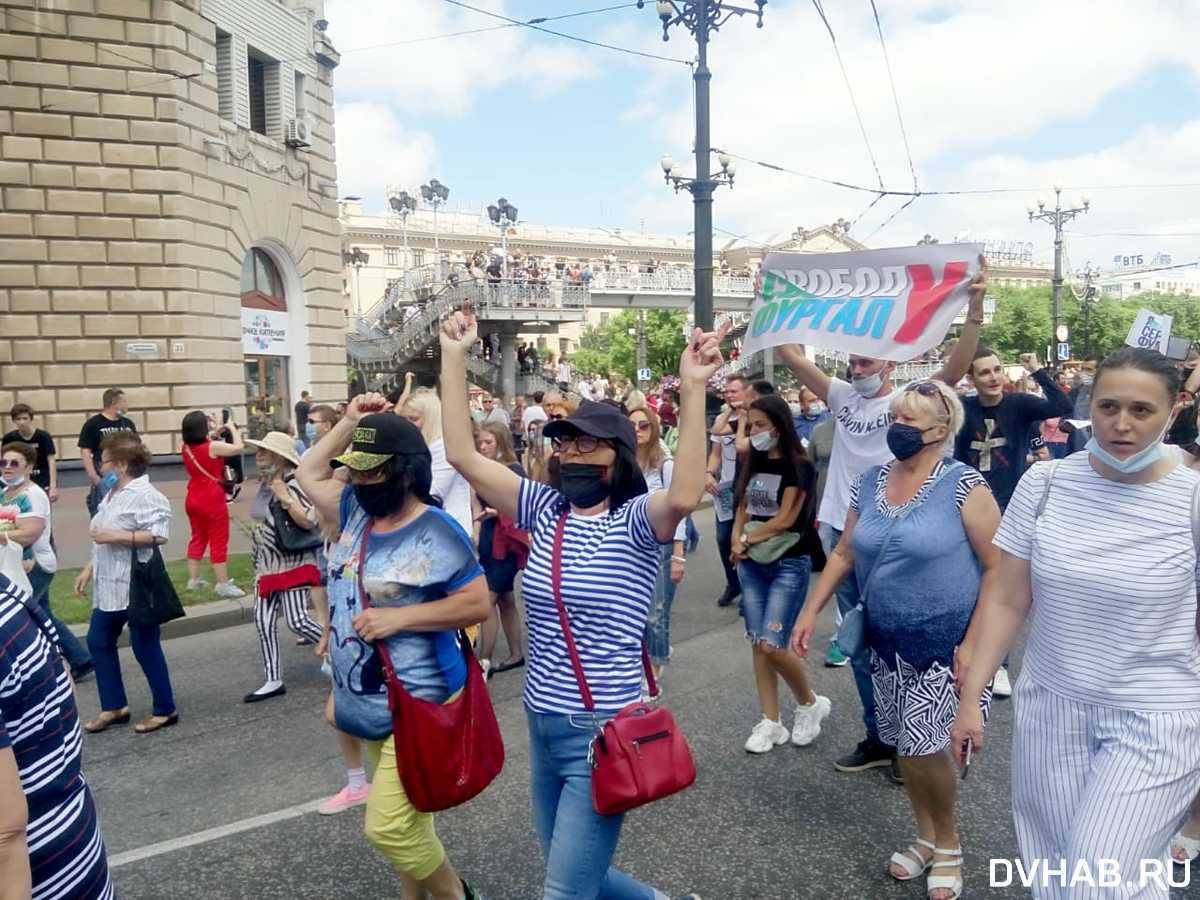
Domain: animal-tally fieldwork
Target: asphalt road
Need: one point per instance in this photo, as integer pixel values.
(220, 806)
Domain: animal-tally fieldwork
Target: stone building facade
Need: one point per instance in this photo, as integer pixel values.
(168, 221)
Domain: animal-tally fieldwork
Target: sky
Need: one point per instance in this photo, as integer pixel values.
(1100, 97)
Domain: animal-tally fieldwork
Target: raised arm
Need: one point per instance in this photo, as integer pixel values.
(235, 446)
(701, 358)
(806, 371)
(741, 443)
(958, 363)
(488, 477)
(1056, 404)
(314, 474)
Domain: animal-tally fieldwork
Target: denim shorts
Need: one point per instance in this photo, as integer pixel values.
(772, 595)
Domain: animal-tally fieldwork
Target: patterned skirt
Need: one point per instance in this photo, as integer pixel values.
(915, 709)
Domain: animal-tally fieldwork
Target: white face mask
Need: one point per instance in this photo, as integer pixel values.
(795, 408)
(12, 480)
(763, 441)
(815, 409)
(868, 386)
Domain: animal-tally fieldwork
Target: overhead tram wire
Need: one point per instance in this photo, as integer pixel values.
(850, 90)
(895, 97)
(571, 37)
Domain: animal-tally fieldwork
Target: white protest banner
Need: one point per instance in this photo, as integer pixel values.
(887, 304)
(1150, 330)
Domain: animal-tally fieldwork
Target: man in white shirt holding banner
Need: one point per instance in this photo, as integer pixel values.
(883, 306)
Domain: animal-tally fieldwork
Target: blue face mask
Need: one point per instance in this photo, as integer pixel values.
(1139, 462)
(310, 432)
(108, 482)
(869, 386)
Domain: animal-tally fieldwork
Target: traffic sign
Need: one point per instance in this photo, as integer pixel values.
(1064, 351)
(1062, 333)
(643, 374)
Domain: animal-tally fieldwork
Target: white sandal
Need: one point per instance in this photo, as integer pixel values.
(1190, 846)
(952, 883)
(912, 869)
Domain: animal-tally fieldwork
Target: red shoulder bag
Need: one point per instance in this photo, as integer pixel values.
(446, 752)
(640, 755)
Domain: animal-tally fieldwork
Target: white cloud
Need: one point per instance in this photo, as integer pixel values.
(375, 150)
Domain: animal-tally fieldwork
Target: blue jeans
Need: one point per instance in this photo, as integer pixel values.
(658, 623)
(847, 599)
(772, 594)
(75, 653)
(102, 636)
(577, 842)
(725, 548)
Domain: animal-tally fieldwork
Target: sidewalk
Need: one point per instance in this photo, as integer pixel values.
(71, 523)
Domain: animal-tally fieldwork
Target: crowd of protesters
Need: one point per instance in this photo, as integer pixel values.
(402, 537)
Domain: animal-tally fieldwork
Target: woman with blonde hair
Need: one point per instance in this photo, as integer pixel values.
(921, 525)
(657, 468)
(424, 409)
(503, 550)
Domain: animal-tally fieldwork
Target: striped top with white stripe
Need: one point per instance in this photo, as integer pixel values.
(39, 721)
(1114, 569)
(609, 565)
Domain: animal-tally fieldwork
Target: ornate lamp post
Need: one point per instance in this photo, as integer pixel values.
(503, 215)
(1056, 218)
(435, 194)
(403, 204)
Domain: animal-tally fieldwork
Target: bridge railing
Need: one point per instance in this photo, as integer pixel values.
(667, 280)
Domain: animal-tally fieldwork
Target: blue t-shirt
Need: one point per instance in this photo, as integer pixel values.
(423, 561)
(38, 720)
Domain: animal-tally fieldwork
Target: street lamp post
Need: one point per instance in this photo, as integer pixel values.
(435, 194)
(1057, 217)
(1089, 300)
(358, 258)
(503, 215)
(403, 204)
(701, 18)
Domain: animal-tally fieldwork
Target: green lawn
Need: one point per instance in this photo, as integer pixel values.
(72, 608)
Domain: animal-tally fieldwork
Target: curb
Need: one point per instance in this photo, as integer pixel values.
(218, 614)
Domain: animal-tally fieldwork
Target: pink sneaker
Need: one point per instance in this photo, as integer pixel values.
(343, 800)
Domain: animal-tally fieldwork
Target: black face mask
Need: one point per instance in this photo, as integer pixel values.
(583, 484)
(381, 498)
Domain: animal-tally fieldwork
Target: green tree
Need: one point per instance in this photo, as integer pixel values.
(1022, 322)
(611, 348)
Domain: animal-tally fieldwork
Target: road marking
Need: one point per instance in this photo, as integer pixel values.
(211, 834)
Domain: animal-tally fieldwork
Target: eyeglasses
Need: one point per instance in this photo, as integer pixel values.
(643, 425)
(11, 463)
(929, 389)
(583, 443)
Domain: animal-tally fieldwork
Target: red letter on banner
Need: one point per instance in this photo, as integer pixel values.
(925, 297)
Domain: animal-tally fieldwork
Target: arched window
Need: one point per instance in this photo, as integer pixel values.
(262, 286)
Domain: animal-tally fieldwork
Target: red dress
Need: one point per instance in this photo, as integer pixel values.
(205, 505)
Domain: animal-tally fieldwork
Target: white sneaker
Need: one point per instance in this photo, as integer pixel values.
(228, 589)
(196, 584)
(766, 736)
(486, 666)
(808, 721)
(1001, 686)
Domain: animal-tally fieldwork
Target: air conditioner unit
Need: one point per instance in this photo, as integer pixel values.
(299, 133)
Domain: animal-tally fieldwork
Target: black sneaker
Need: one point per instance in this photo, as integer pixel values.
(895, 773)
(469, 893)
(728, 597)
(868, 754)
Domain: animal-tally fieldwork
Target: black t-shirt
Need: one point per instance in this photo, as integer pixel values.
(45, 449)
(768, 479)
(97, 428)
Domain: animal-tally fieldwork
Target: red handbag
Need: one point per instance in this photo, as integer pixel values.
(639, 755)
(446, 752)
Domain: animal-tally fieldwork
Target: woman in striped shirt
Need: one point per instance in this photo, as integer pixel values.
(612, 535)
(1100, 547)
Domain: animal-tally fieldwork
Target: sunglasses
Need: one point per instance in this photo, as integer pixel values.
(11, 463)
(583, 443)
(642, 426)
(929, 389)
(557, 417)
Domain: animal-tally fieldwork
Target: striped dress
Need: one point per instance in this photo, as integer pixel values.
(609, 565)
(40, 724)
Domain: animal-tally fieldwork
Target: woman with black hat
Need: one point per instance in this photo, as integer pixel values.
(609, 532)
(418, 570)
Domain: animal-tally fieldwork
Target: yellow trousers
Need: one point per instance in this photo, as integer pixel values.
(398, 830)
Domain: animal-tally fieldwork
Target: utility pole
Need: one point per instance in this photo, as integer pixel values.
(701, 18)
(1056, 218)
(641, 340)
(1089, 299)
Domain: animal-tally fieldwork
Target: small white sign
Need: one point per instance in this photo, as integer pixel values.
(177, 347)
(141, 348)
(643, 374)
(1150, 331)
(264, 332)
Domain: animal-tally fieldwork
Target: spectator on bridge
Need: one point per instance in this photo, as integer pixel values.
(424, 410)
(50, 840)
(1107, 710)
(204, 461)
(132, 518)
(283, 577)
(503, 549)
(419, 570)
(918, 599)
(609, 533)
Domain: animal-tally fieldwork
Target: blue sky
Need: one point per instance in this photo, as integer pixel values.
(572, 134)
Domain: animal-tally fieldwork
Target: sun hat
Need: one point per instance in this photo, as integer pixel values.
(280, 444)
